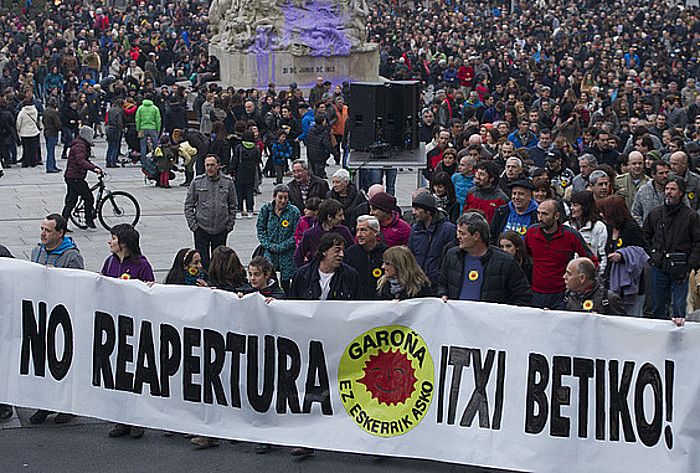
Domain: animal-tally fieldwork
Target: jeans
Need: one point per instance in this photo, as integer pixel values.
(153, 135)
(665, 289)
(205, 243)
(78, 187)
(114, 139)
(375, 176)
(245, 192)
(51, 142)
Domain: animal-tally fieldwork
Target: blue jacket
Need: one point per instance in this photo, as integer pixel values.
(307, 122)
(428, 244)
(531, 141)
(462, 185)
(281, 152)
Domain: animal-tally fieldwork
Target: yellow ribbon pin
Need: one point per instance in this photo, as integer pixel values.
(587, 304)
(285, 223)
(473, 275)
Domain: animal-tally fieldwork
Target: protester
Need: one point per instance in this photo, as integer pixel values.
(395, 231)
(365, 256)
(430, 236)
(346, 193)
(275, 229)
(512, 243)
(52, 125)
(76, 171)
(307, 220)
(210, 209)
(28, 128)
(673, 233)
(187, 269)
(403, 278)
(651, 195)
(330, 220)
(585, 218)
(126, 262)
(305, 185)
(518, 214)
(226, 271)
(627, 185)
(585, 294)
(485, 195)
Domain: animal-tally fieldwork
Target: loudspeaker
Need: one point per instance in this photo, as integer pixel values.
(366, 104)
(384, 113)
(402, 114)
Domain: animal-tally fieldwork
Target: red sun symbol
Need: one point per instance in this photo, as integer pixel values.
(389, 377)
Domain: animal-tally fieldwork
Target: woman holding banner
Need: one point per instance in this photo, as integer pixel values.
(126, 262)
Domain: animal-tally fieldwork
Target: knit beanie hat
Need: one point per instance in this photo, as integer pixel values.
(87, 134)
(425, 201)
(383, 201)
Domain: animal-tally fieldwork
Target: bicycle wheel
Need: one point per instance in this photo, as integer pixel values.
(118, 207)
(77, 216)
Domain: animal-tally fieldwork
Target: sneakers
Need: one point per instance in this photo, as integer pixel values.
(63, 418)
(39, 417)
(204, 442)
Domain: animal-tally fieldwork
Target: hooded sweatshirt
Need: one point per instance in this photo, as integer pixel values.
(147, 116)
(66, 255)
(520, 222)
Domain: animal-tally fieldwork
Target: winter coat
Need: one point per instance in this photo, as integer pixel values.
(597, 299)
(147, 116)
(368, 265)
(673, 230)
(647, 198)
(317, 188)
(175, 117)
(272, 290)
(625, 187)
(385, 293)
(79, 160)
(506, 218)
(396, 232)
(66, 255)
(318, 144)
(281, 152)
(305, 222)
(428, 244)
(503, 280)
(52, 122)
(487, 200)
(352, 199)
(244, 163)
(462, 185)
(221, 148)
(206, 123)
(306, 283)
(28, 122)
(596, 237)
(165, 158)
(136, 267)
(276, 234)
(211, 204)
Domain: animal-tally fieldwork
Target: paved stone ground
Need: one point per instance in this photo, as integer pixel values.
(28, 195)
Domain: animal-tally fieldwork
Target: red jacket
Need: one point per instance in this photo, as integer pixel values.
(486, 200)
(396, 232)
(550, 255)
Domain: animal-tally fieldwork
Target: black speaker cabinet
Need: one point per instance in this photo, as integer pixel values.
(384, 113)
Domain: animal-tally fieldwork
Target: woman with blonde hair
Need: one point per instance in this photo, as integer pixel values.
(402, 278)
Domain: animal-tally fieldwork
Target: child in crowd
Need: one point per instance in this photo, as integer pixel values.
(281, 152)
(308, 219)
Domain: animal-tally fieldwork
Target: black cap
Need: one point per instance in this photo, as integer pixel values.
(522, 183)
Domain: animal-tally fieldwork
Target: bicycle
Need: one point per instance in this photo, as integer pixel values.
(111, 207)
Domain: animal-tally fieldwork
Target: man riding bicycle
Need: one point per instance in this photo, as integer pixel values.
(76, 170)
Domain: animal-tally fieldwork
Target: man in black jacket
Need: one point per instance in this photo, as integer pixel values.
(478, 272)
(318, 146)
(326, 277)
(585, 294)
(365, 256)
(673, 233)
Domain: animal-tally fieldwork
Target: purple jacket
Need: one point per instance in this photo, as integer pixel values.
(135, 268)
(312, 238)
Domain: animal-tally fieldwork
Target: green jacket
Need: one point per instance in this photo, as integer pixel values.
(276, 235)
(147, 116)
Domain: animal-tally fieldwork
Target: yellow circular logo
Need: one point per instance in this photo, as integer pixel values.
(377, 272)
(564, 183)
(125, 276)
(619, 242)
(691, 195)
(473, 275)
(522, 230)
(587, 304)
(386, 380)
(193, 271)
(285, 223)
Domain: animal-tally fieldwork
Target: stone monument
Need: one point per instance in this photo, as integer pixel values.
(284, 41)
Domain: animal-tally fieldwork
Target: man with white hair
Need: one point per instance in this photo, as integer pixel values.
(600, 184)
(366, 256)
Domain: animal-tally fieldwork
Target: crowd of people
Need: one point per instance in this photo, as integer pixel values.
(562, 141)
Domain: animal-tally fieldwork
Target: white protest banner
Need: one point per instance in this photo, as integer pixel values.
(470, 383)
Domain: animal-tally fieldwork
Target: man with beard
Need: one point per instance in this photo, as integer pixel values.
(485, 195)
(552, 245)
(673, 230)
